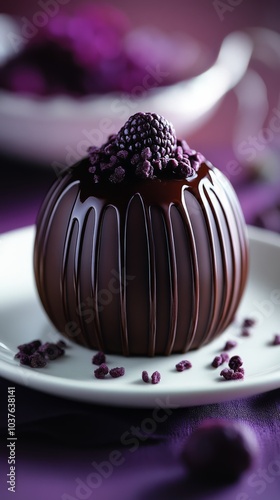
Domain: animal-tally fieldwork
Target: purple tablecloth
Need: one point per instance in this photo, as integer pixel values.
(65, 449)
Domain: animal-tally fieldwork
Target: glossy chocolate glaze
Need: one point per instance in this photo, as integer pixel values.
(150, 267)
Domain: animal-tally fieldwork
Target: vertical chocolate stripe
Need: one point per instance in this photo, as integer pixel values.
(233, 255)
(173, 280)
(190, 337)
(206, 206)
(152, 282)
(122, 232)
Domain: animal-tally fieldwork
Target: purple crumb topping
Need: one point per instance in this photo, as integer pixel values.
(245, 332)
(235, 370)
(51, 351)
(225, 356)
(36, 360)
(145, 377)
(30, 347)
(99, 358)
(230, 344)
(24, 359)
(230, 374)
(248, 322)
(183, 365)
(35, 354)
(145, 148)
(276, 340)
(102, 371)
(235, 363)
(155, 377)
(220, 359)
(61, 344)
(238, 375)
(117, 372)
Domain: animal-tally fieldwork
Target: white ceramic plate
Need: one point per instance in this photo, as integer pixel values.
(22, 320)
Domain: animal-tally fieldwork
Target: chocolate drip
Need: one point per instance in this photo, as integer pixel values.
(145, 268)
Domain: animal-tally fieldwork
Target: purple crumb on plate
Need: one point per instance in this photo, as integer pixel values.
(230, 374)
(145, 377)
(99, 358)
(61, 344)
(238, 375)
(117, 372)
(51, 351)
(155, 377)
(227, 373)
(245, 332)
(102, 371)
(225, 356)
(217, 361)
(235, 363)
(183, 365)
(230, 344)
(24, 359)
(36, 360)
(30, 347)
(248, 322)
(276, 340)
(220, 359)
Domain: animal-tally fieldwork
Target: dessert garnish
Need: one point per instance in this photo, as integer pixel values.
(155, 378)
(245, 332)
(220, 359)
(117, 372)
(145, 376)
(99, 358)
(248, 322)
(35, 354)
(276, 339)
(235, 363)
(230, 344)
(102, 371)
(146, 148)
(235, 371)
(183, 365)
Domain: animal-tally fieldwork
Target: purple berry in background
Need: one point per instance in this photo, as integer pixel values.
(183, 365)
(155, 378)
(117, 372)
(145, 377)
(99, 358)
(220, 451)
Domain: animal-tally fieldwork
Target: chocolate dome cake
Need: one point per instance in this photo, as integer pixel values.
(141, 247)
